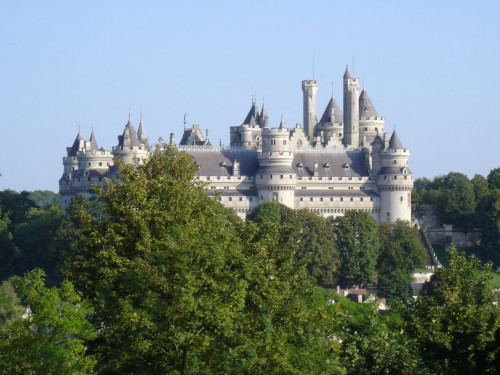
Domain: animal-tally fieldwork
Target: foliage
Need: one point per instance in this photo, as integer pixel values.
(16, 206)
(372, 343)
(489, 219)
(181, 288)
(454, 322)
(357, 242)
(49, 340)
(313, 235)
(456, 203)
(401, 251)
(45, 197)
(10, 305)
(494, 179)
(7, 247)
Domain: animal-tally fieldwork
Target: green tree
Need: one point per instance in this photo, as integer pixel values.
(456, 204)
(45, 197)
(50, 339)
(181, 288)
(401, 251)
(16, 206)
(454, 321)
(494, 179)
(356, 239)
(7, 248)
(36, 240)
(489, 219)
(480, 186)
(10, 305)
(372, 343)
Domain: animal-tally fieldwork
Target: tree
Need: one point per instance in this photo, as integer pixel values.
(10, 305)
(456, 203)
(45, 197)
(49, 340)
(454, 321)
(372, 343)
(181, 288)
(400, 253)
(489, 219)
(7, 248)
(357, 242)
(480, 186)
(494, 179)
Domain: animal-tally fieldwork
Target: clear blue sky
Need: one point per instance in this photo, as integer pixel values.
(431, 68)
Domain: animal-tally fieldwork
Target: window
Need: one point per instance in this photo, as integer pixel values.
(388, 214)
(401, 199)
(352, 199)
(341, 199)
(331, 199)
(311, 199)
(241, 199)
(284, 142)
(321, 199)
(361, 199)
(281, 177)
(301, 199)
(394, 162)
(230, 199)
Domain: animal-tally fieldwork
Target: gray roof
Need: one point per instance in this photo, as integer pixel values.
(193, 137)
(132, 136)
(233, 193)
(392, 170)
(395, 142)
(263, 117)
(141, 133)
(335, 193)
(254, 112)
(346, 74)
(327, 115)
(275, 170)
(366, 108)
(330, 164)
(93, 142)
(76, 145)
(219, 161)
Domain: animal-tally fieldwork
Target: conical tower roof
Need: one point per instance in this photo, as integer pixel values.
(129, 137)
(395, 142)
(327, 115)
(346, 74)
(282, 123)
(141, 133)
(76, 145)
(254, 112)
(93, 142)
(366, 108)
(263, 122)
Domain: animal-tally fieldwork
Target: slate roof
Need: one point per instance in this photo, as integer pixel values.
(141, 133)
(346, 74)
(366, 108)
(327, 115)
(134, 141)
(233, 193)
(263, 117)
(76, 145)
(335, 193)
(93, 142)
(330, 164)
(219, 161)
(395, 142)
(254, 112)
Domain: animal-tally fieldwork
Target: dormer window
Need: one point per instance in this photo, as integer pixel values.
(222, 164)
(345, 165)
(300, 165)
(326, 165)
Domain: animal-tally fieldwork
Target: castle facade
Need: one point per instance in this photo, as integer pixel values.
(344, 161)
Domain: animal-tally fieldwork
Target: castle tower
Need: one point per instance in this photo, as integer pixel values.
(331, 124)
(129, 146)
(351, 110)
(395, 182)
(275, 180)
(370, 123)
(309, 89)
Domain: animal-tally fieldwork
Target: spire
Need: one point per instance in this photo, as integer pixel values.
(346, 74)
(93, 141)
(263, 117)
(141, 133)
(395, 142)
(337, 113)
(129, 136)
(254, 112)
(282, 123)
(366, 108)
(76, 144)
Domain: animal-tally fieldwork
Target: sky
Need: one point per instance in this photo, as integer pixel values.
(431, 68)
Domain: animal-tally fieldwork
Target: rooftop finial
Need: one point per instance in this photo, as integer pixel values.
(185, 114)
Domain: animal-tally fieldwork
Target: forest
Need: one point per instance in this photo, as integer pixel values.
(153, 276)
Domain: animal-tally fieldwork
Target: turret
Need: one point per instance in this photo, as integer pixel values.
(331, 124)
(395, 182)
(351, 110)
(275, 179)
(309, 89)
(129, 146)
(370, 123)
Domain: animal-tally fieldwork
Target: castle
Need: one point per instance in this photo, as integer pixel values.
(344, 161)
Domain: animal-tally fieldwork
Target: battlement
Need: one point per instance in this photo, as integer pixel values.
(309, 82)
(374, 119)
